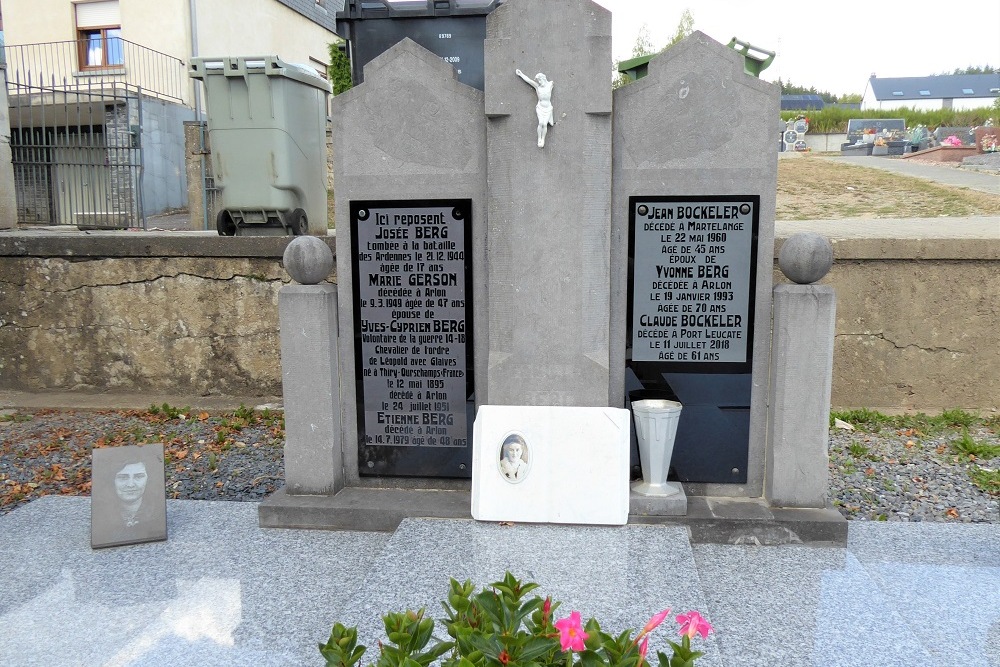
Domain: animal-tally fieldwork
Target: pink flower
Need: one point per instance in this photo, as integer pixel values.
(571, 634)
(643, 648)
(652, 623)
(693, 624)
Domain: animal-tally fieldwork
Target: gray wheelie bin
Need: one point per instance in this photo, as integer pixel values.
(267, 129)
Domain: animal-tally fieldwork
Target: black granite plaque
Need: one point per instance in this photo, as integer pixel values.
(413, 342)
(691, 286)
(691, 310)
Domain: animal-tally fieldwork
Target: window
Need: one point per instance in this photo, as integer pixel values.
(925, 92)
(99, 35)
(968, 91)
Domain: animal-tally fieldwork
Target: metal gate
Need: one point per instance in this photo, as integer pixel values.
(76, 155)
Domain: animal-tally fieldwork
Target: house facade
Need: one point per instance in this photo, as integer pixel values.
(99, 93)
(945, 91)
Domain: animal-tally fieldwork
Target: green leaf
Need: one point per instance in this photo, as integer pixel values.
(434, 653)
(399, 638)
(423, 634)
(490, 605)
(591, 659)
(537, 646)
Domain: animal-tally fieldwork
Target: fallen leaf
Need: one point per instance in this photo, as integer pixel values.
(910, 444)
(941, 449)
(202, 416)
(870, 472)
(952, 513)
(506, 523)
(180, 454)
(843, 425)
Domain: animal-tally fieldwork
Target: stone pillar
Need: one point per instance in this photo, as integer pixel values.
(801, 376)
(310, 376)
(549, 208)
(8, 200)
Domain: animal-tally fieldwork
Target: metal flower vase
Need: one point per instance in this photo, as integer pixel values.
(655, 429)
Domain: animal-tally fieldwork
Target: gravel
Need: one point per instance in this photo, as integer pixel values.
(904, 474)
(886, 473)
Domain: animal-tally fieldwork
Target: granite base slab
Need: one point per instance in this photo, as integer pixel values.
(219, 591)
(619, 575)
(709, 520)
(673, 505)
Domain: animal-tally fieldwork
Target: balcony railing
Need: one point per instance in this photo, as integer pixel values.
(57, 65)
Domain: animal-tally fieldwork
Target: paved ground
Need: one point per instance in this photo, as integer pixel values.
(223, 591)
(984, 181)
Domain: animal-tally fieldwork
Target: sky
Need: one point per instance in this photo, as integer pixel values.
(834, 47)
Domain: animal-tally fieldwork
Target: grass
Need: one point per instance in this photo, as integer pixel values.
(872, 421)
(951, 431)
(971, 447)
(15, 417)
(812, 187)
(987, 480)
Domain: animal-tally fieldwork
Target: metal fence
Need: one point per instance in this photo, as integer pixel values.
(57, 65)
(76, 131)
(76, 156)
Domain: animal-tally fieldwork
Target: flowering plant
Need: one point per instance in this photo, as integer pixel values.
(951, 140)
(990, 144)
(501, 625)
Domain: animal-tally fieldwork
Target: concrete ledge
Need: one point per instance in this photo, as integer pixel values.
(363, 509)
(750, 521)
(70, 242)
(709, 520)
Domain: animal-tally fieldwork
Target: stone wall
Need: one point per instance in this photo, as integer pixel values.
(918, 323)
(194, 315)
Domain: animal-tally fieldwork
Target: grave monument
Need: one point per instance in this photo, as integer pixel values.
(538, 248)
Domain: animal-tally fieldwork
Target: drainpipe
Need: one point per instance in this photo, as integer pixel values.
(193, 13)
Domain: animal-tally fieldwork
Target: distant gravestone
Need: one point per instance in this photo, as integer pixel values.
(964, 134)
(856, 127)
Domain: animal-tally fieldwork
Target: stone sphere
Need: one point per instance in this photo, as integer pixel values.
(805, 257)
(308, 260)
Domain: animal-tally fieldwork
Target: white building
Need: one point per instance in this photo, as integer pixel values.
(946, 91)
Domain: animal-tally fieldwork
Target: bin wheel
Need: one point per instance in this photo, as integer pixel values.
(224, 224)
(298, 223)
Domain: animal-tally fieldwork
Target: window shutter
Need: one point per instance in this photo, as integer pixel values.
(91, 14)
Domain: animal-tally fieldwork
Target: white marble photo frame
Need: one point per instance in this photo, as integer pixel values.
(128, 503)
(551, 465)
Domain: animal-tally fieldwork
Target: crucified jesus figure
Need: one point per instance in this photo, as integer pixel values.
(543, 109)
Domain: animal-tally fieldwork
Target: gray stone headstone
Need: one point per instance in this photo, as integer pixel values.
(411, 131)
(697, 125)
(549, 208)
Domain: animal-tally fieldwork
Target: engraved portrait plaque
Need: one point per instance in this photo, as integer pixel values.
(128, 496)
